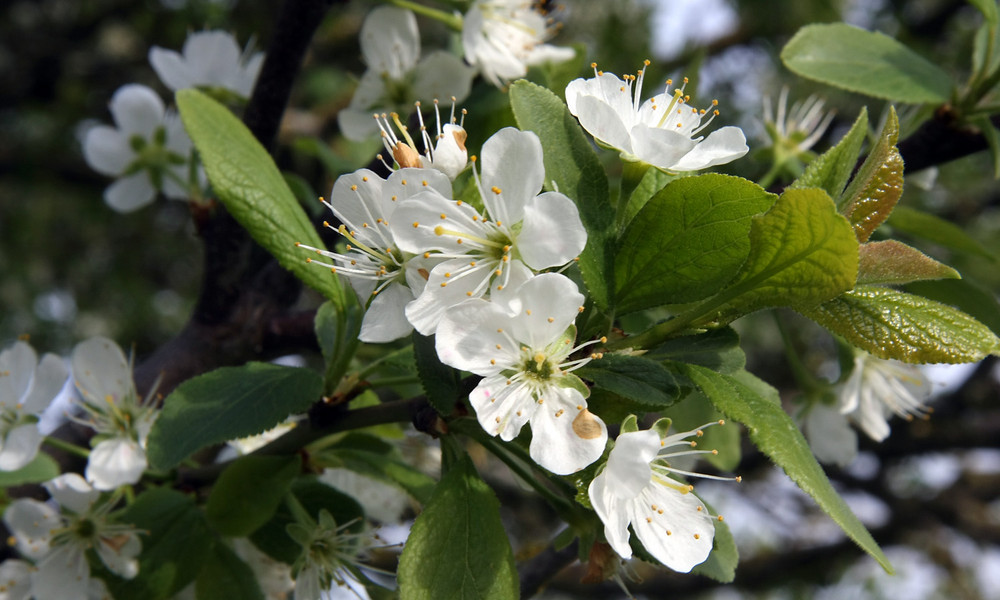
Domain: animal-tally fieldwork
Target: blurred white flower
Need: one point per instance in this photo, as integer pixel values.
(147, 150)
(122, 421)
(799, 128)
(381, 501)
(209, 59)
(330, 555)
(27, 387)
(390, 47)
(58, 540)
(879, 388)
(664, 131)
(502, 38)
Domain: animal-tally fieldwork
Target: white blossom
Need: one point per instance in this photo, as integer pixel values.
(27, 387)
(796, 129)
(502, 38)
(209, 59)
(522, 347)
(122, 421)
(385, 277)
(637, 488)
(879, 388)
(664, 131)
(57, 540)
(330, 557)
(390, 47)
(445, 151)
(520, 231)
(148, 150)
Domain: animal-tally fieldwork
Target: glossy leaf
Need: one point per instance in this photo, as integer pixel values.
(636, 378)
(831, 170)
(440, 381)
(717, 349)
(892, 324)
(894, 262)
(246, 180)
(653, 180)
(573, 168)
(458, 549)
(865, 62)
(687, 242)
(226, 404)
(874, 191)
(248, 492)
(776, 435)
(966, 295)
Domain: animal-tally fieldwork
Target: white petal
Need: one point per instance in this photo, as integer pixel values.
(830, 435)
(450, 153)
(517, 274)
(15, 576)
(468, 337)
(390, 41)
(406, 183)
(31, 523)
(870, 416)
(613, 513)
(442, 75)
(17, 365)
(115, 462)
(545, 306)
(107, 150)
(130, 193)
(385, 320)
(213, 57)
(137, 110)
(691, 530)
(720, 147)
(628, 468)
(547, 53)
(173, 71)
(357, 204)
(119, 555)
(100, 370)
(662, 148)
(511, 163)
(415, 220)
(20, 446)
(551, 233)
(72, 492)
(565, 438)
(357, 125)
(50, 377)
(502, 408)
(62, 575)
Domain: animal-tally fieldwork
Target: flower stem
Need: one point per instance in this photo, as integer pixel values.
(67, 447)
(452, 21)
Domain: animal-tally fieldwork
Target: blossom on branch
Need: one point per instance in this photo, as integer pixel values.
(122, 421)
(445, 151)
(521, 231)
(522, 347)
(502, 38)
(664, 131)
(390, 47)
(879, 388)
(27, 387)
(211, 60)
(637, 487)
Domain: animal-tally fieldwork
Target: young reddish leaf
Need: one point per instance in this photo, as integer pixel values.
(894, 262)
(874, 191)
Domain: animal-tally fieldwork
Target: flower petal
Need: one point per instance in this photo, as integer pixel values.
(551, 232)
(612, 512)
(390, 41)
(691, 530)
(415, 221)
(471, 337)
(62, 575)
(512, 164)
(100, 370)
(72, 492)
(720, 147)
(628, 468)
(31, 523)
(172, 69)
(50, 377)
(565, 436)
(107, 150)
(385, 320)
(130, 193)
(119, 554)
(501, 407)
(20, 446)
(15, 576)
(830, 435)
(137, 110)
(545, 306)
(115, 462)
(442, 75)
(17, 365)
(662, 148)
(356, 201)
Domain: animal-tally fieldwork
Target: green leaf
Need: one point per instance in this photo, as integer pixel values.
(440, 381)
(174, 547)
(801, 253)
(965, 295)
(246, 180)
(226, 404)
(874, 191)
(934, 229)
(988, 8)
(894, 262)
(458, 548)
(639, 379)
(985, 125)
(248, 492)
(41, 468)
(273, 539)
(718, 349)
(687, 242)
(721, 563)
(774, 432)
(337, 328)
(831, 170)
(653, 180)
(572, 166)
(892, 324)
(865, 62)
(225, 576)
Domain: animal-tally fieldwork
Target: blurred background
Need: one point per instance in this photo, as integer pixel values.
(71, 268)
